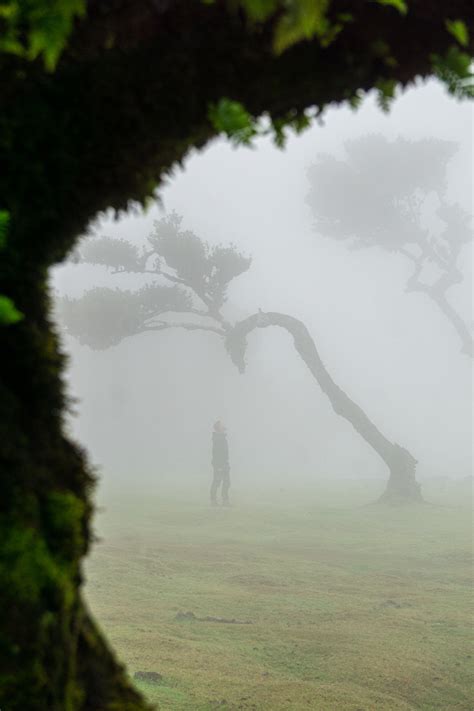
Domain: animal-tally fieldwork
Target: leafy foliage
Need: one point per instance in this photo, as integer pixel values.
(198, 272)
(385, 93)
(399, 5)
(231, 117)
(207, 270)
(111, 252)
(260, 10)
(303, 20)
(300, 20)
(454, 71)
(32, 28)
(103, 317)
(4, 222)
(375, 195)
(9, 314)
(296, 20)
(459, 31)
(456, 231)
(381, 196)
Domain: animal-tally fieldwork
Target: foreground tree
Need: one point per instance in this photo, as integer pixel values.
(189, 290)
(98, 126)
(389, 187)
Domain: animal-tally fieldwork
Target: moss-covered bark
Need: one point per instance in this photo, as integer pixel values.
(51, 655)
(97, 133)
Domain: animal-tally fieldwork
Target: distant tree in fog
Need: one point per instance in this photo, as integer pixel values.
(186, 282)
(381, 195)
(181, 274)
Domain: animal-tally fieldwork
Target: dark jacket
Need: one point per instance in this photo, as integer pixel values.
(220, 450)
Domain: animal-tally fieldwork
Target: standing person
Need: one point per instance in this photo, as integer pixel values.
(220, 464)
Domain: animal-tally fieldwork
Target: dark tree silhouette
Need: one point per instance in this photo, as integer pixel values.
(379, 196)
(194, 280)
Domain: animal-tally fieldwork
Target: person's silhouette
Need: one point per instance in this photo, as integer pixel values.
(220, 464)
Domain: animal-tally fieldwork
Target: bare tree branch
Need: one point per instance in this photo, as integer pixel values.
(188, 326)
(437, 293)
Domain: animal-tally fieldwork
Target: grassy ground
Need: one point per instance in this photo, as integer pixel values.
(351, 608)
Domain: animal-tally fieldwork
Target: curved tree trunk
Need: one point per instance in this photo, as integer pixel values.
(52, 655)
(461, 328)
(402, 486)
(437, 293)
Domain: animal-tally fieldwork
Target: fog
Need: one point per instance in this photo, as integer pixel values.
(329, 579)
(145, 407)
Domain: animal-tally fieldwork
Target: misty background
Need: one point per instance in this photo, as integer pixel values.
(146, 407)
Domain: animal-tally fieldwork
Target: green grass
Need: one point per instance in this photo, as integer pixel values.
(352, 608)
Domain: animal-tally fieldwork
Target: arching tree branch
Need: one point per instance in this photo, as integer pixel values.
(402, 484)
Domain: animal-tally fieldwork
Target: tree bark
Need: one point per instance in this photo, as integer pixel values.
(437, 293)
(402, 486)
(465, 336)
(52, 656)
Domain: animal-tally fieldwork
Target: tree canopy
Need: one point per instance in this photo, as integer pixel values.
(381, 194)
(189, 277)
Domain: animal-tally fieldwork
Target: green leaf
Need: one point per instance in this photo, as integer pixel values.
(260, 10)
(459, 31)
(385, 93)
(233, 119)
(4, 222)
(355, 100)
(454, 71)
(399, 5)
(301, 123)
(303, 19)
(296, 20)
(279, 135)
(32, 29)
(8, 11)
(8, 312)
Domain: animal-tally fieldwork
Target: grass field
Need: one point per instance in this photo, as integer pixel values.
(350, 607)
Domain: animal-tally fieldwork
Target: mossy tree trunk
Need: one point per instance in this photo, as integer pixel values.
(52, 656)
(402, 487)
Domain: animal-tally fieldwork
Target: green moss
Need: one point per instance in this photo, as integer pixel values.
(65, 514)
(27, 566)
